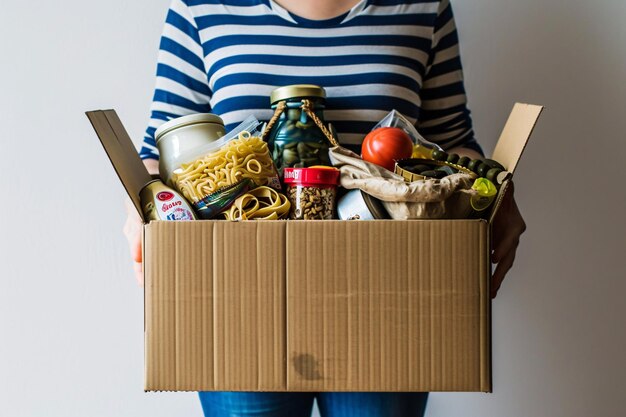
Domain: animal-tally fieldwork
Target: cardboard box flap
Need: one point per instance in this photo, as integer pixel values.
(515, 135)
(122, 153)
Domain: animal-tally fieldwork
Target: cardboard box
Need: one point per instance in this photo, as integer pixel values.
(317, 305)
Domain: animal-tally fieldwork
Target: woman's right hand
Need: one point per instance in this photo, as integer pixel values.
(133, 226)
(132, 231)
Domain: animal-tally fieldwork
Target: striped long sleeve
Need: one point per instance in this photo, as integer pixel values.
(445, 118)
(181, 80)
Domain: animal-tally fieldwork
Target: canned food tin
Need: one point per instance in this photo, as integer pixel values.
(180, 135)
(358, 205)
(160, 202)
(406, 168)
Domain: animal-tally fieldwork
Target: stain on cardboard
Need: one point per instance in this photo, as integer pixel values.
(306, 366)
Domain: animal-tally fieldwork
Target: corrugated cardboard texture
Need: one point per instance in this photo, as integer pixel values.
(317, 306)
(387, 306)
(249, 306)
(179, 305)
(215, 309)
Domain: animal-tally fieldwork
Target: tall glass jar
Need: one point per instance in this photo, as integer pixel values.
(295, 140)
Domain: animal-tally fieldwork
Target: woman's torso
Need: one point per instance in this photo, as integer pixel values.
(370, 60)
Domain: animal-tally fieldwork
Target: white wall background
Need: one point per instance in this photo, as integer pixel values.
(71, 322)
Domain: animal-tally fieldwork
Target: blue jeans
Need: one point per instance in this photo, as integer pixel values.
(296, 404)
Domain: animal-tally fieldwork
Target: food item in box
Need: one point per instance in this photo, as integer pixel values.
(178, 136)
(262, 203)
(312, 192)
(486, 194)
(160, 202)
(215, 203)
(385, 145)
(358, 205)
(246, 157)
(294, 137)
(421, 169)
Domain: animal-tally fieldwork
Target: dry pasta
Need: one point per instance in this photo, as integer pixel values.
(244, 157)
(262, 203)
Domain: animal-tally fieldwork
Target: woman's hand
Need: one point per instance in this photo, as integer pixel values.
(132, 231)
(508, 226)
(133, 226)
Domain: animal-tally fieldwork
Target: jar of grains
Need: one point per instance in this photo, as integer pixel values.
(312, 192)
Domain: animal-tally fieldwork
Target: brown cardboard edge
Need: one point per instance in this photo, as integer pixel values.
(145, 231)
(486, 380)
(107, 124)
(510, 145)
(530, 111)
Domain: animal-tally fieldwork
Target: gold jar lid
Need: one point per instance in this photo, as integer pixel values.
(298, 90)
(183, 121)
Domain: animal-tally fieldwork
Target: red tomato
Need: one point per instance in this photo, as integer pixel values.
(385, 145)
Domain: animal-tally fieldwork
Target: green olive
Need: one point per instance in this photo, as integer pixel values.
(463, 161)
(421, 167)
(492, 174)
(290, 145)
(434, 174)
(474, 164)
(482, 170)
(439, 155)
(493, 164)
(453, 158)
(447, 170)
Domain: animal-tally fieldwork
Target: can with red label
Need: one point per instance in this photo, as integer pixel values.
(160, 202)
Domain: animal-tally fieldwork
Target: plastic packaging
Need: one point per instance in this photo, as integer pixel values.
(250, 124)
(421, 148)
(214, 175)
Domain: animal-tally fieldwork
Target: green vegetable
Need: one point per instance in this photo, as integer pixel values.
(474, 164)
(492, 174)
(434, 174)
(464, 161)
(439, 155)
(493, 164)
(482, 170)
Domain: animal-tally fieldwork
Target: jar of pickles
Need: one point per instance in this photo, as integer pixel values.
(296, 139)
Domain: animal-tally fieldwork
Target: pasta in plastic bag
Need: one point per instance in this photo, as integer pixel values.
(211, 178)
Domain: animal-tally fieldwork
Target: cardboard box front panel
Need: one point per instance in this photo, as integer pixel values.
(387, 306)
(317, 306)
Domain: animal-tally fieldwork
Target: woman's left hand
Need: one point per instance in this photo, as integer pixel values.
(508, 226)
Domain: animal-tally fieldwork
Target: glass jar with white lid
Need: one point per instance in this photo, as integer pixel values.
(178, 136)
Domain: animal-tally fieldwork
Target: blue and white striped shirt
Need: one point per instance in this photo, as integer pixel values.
(226, 57)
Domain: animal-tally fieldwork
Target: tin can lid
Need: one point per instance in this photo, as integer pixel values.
(312, 176)
(298, 90)
(189, 120)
